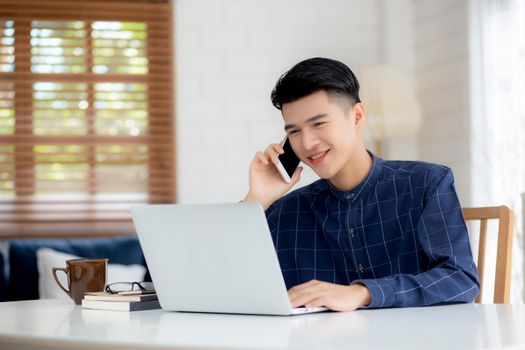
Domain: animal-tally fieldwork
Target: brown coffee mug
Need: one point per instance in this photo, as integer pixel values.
(83, 276)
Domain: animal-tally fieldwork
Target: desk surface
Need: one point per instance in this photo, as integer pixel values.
(54, 324)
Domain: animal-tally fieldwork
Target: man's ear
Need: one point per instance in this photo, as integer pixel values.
(358, 110)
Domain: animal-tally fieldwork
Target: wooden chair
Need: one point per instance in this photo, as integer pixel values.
(505, 216)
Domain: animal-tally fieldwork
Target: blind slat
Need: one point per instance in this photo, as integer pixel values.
(155, 80)
(87, 6)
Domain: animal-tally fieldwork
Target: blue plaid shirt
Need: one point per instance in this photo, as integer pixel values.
(400, 232)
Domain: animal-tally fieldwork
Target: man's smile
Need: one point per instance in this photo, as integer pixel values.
(318, 157)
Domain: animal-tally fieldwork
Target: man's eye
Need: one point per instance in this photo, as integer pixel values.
(319, 124)
(293, 132)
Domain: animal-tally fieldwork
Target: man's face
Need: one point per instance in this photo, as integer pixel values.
(323, 134)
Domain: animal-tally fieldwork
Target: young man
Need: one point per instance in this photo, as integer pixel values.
(370, 233)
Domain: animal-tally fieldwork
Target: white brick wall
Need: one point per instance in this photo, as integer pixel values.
(229, 54)
(442, 80)
(454, 130)
(397, 18)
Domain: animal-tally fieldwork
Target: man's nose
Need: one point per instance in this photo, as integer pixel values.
(309, 140)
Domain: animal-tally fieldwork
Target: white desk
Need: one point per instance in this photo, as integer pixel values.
(53, 324)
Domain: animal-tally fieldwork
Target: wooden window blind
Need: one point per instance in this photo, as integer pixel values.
(86, 114)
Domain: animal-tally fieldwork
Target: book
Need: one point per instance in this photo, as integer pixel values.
(104, 317)
(103, 296)
(120, 305)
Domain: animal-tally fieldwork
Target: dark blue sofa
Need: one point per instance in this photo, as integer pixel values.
(3, 280)
(21, 281)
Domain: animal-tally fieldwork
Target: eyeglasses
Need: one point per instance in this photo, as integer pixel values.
(123, 287)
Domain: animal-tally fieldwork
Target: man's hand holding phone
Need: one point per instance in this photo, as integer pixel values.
(266, 183)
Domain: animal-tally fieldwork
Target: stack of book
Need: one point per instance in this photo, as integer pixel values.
(120, 302)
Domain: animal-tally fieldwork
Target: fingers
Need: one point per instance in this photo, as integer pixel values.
(273, 152)
(306, 299)
(306, 293)
(276, 147)
(317, 302)
(333, 296)
(261, 158)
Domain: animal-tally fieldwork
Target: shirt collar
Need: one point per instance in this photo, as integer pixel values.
(369, 182)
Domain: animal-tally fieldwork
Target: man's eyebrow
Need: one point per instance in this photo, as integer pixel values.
(309, 120)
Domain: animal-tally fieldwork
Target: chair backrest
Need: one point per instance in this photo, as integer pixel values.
(505, 216)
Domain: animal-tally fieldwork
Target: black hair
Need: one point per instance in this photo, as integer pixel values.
(312, 75)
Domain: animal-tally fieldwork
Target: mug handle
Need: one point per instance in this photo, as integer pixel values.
(65, 270)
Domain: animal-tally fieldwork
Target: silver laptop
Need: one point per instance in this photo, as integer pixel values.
(213, 258)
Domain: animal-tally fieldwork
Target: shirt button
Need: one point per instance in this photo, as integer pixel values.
(350, 196)
(351, 232)
(361, 268)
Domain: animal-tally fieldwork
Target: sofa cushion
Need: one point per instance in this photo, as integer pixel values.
(23, 272)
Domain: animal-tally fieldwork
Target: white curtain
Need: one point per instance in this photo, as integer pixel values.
(498, 114)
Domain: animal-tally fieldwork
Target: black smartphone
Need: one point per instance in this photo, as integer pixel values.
(288, 161)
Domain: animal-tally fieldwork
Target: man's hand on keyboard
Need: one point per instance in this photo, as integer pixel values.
(333, 296)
